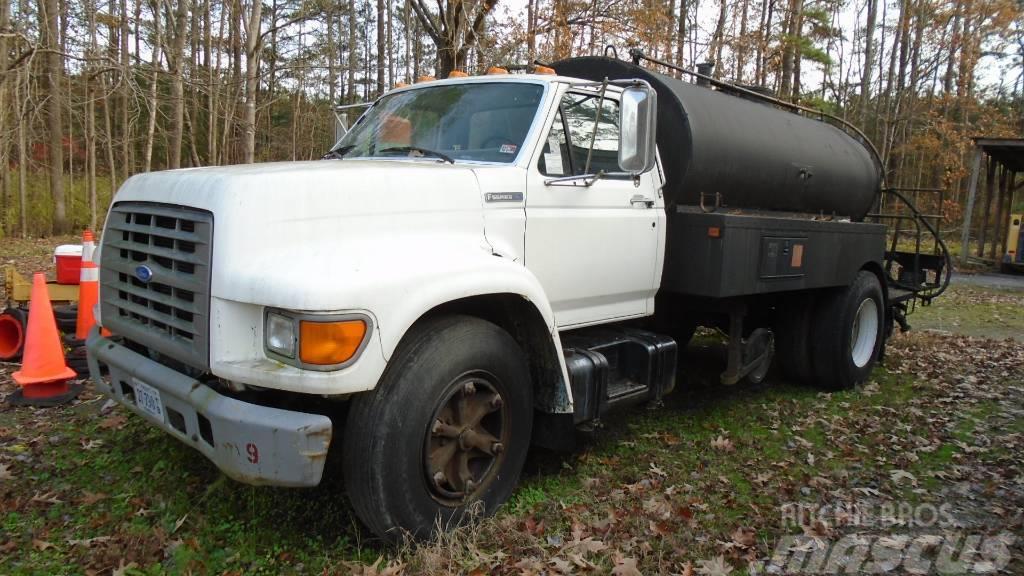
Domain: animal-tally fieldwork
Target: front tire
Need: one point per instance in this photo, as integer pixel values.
(445, 433)
(848, 334)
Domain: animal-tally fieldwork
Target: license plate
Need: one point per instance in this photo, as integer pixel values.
(148, 398)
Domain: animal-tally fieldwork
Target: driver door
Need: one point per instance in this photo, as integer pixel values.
(594, 249)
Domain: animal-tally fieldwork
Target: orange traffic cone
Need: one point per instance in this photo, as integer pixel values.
(88, 296)
(88, 245)
(43, 376)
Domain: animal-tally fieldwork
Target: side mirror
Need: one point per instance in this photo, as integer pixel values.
(638, 116)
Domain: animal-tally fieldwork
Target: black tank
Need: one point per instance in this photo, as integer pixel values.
(754, 154)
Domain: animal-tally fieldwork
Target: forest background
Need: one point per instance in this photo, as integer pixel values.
(93, 91)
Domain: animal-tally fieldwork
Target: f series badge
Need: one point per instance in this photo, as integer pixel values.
(503, 197)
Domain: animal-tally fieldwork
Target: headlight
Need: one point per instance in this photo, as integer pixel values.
(280, 334)
(315, 341)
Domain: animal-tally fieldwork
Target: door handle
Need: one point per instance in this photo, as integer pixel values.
(640, 200)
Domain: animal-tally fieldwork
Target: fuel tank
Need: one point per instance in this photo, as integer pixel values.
(745, 153)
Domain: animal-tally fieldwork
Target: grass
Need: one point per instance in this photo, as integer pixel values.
(974, 311)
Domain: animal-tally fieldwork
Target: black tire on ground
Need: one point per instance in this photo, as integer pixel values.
(847, 334)
(444, 368)
(66, 312)
(76, 359)
(792, 333)
(67, 326)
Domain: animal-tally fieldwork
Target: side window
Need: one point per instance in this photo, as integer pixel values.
(568, 143)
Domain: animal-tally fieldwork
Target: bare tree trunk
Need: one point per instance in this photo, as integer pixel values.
(90, 115)
(741, 51)
(717, 39)
(407, 21)
(54, 67)
(531, 31)
(154, 104)
(789, 50)
(253, 41)
(23, 152)
(6, 196)
(125, 97)
(869, 55)
(332, 69)
(390, 45)
(381, 47)
(176, 61)
(681, 33)
(353, 54)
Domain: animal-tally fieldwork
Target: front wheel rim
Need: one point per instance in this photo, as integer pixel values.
(466, 439)
(864, 333)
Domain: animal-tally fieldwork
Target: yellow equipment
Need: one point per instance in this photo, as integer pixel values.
(1014, 257)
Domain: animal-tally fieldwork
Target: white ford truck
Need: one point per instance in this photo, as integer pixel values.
(485, 263)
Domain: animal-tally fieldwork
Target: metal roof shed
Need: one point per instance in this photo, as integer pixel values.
(1004, 158)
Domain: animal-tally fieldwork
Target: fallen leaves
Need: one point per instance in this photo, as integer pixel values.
(113, 422)
(899, 475)
(89, 498)
(716, 566)
(47, 498)
(723, 444)
(626, 567)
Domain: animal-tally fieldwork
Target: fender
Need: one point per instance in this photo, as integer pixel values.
(396, 279)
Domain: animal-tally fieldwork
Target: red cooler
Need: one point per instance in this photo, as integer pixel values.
(68, 258)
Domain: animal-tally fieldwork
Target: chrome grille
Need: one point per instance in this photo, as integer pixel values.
(171, 245)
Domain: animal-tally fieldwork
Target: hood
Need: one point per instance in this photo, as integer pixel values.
(281, 192)
(333, 213)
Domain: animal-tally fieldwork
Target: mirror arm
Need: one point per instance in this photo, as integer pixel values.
(588, 179)
(597, 119)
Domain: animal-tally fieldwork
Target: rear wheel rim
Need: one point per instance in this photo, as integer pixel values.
(864, 333)
(466, 439)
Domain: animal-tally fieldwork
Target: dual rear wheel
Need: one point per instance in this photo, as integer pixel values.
(832, 341)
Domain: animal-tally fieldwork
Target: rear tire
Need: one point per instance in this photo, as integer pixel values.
(848, 334)
(413, 460)
(792, 334)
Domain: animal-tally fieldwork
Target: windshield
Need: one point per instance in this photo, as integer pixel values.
(473, 121)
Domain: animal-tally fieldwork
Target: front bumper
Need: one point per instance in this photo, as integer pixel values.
(248, 442)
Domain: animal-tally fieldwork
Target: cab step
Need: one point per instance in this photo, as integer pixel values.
(612, 368)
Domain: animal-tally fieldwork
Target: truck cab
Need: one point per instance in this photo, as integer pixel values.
(477, 265)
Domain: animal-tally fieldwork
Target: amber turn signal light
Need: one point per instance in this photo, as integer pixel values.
(329, 343)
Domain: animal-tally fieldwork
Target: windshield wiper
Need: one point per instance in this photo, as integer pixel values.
(338, 153)
(422, 151)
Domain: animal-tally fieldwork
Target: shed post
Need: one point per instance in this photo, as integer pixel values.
(972, 188)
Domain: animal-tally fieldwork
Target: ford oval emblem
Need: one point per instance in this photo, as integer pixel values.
(144, 273)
